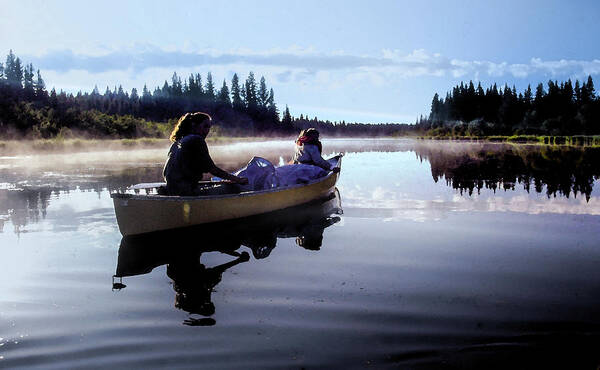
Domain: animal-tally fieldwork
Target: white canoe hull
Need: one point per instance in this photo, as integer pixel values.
(139, 214)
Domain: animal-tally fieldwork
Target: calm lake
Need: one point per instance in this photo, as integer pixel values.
(431, 255)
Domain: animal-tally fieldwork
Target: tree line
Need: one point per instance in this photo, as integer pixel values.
(242, 108)
(247, 108)
(560, 109)
(27, 108)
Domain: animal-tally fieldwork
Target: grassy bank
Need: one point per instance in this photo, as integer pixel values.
(577, 140)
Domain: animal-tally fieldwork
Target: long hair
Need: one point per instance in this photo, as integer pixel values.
(186, 122)
(309, 136)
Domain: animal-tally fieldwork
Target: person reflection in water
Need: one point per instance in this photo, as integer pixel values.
(310, 236)
(261, 244)
(194, 284)
(188, 159)
(308, 150)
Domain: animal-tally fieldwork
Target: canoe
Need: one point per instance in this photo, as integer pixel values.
(140, 254)
(145, 213)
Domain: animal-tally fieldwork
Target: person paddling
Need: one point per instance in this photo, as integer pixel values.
(308, 150)
(188, 159)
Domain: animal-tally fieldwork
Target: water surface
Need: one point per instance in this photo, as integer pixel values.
(432, 255)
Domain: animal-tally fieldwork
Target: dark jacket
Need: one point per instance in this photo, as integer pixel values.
(187, 162)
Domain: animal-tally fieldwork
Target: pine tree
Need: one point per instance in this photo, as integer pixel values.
(176, 86)
(134, 97)
(236, 98)
(434, 116)
(528, 97)
(192, 87)
(286, 121)
(200, 87)
(53, 98)
(251, 94)
(209, 90)
(146, 100)
(166, 90)
(577, 92)
(28, 84)
(587, 91)
(223, 97)
(263, 93)
(13, 70)
(40, 87)
(146, 93)
(272, 107)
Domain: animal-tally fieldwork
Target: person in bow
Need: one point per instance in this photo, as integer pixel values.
(308, 150)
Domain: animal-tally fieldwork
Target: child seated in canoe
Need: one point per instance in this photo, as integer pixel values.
(308, 150)
(188, 157)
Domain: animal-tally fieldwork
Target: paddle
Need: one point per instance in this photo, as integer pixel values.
(153, 185)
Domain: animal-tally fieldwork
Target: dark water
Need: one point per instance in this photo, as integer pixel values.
(445, 256)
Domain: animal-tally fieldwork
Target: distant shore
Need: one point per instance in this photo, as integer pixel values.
(21, 147)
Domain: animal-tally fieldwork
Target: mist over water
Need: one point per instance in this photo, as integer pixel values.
(432, 255)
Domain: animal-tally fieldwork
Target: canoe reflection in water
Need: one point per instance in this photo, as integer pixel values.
(181, 250)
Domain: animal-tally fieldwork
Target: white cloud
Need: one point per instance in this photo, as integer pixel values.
(299, 63)
(566, 67)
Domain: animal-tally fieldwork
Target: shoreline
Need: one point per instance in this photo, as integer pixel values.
(55, 146)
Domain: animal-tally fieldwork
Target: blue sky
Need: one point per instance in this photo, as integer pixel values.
(377, 61)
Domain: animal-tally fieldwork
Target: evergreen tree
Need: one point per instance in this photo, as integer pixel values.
(577, 93)
(209, 90)
(263, 93)
(54, 98)
(199, 86)
(272, 107)
(539, 103)
(236, 98)
(435, 116)
(587, 91)
(28, 84)
(146, 93)
(243, 96)
(590, 85)
(286, 120)
(40, 87)
(134, 97)
(192, 87)
(13, 70)
(166, 89)
(251, 94)
(528, 97)
(176, 85)
(223, 97)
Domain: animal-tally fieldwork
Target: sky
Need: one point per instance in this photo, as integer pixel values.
(357, 61)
